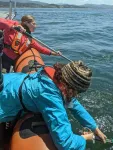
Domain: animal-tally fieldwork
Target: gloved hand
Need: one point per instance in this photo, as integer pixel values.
(57, 53)
(19, 28)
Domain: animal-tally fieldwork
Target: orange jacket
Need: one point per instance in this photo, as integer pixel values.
(9, 35)
(17, 47)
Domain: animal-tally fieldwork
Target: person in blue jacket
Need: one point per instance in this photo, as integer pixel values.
(50, 94)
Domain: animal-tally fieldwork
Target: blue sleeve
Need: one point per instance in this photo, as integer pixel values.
(55, 116)
(80, 113)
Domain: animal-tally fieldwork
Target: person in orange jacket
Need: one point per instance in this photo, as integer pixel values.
(15, 43)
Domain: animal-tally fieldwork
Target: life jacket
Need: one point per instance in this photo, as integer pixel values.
(17, 41)
(50, 71)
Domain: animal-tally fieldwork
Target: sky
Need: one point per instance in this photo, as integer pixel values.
(78, 2)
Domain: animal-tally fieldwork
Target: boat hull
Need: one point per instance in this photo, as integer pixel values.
(31, 135)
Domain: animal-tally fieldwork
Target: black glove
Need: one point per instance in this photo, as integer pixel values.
(18, 28)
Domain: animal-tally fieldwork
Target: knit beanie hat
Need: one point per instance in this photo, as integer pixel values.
(77, 75)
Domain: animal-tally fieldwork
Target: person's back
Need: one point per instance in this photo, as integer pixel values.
(34, 87)
(10, 104)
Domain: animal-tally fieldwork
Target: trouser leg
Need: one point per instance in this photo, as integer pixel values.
(2, 131)
(6, 63)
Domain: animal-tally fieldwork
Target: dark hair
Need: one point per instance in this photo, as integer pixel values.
(58, 71)
(58, 77)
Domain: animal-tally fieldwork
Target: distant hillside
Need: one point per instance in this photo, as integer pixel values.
(35, 4)
(23, 1)
(98, 6)
(38, 4)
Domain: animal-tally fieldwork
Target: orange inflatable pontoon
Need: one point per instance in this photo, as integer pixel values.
(27, 61)
(30, 134)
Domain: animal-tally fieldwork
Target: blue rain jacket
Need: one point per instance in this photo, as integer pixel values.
(40, 94)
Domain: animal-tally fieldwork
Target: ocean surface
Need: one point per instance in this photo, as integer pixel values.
(87, 35)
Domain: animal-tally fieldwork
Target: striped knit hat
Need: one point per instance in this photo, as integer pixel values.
(77, 75)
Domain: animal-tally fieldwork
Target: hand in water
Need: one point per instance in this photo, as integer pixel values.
(88, 135)
(100, 135)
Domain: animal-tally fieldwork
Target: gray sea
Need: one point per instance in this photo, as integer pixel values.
(87, 35)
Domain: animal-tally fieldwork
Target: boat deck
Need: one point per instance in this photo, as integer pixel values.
(3, 14)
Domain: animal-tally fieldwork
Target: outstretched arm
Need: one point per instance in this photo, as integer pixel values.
(43, 49)
(80, 113)
(85, 119)
(51, 106)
